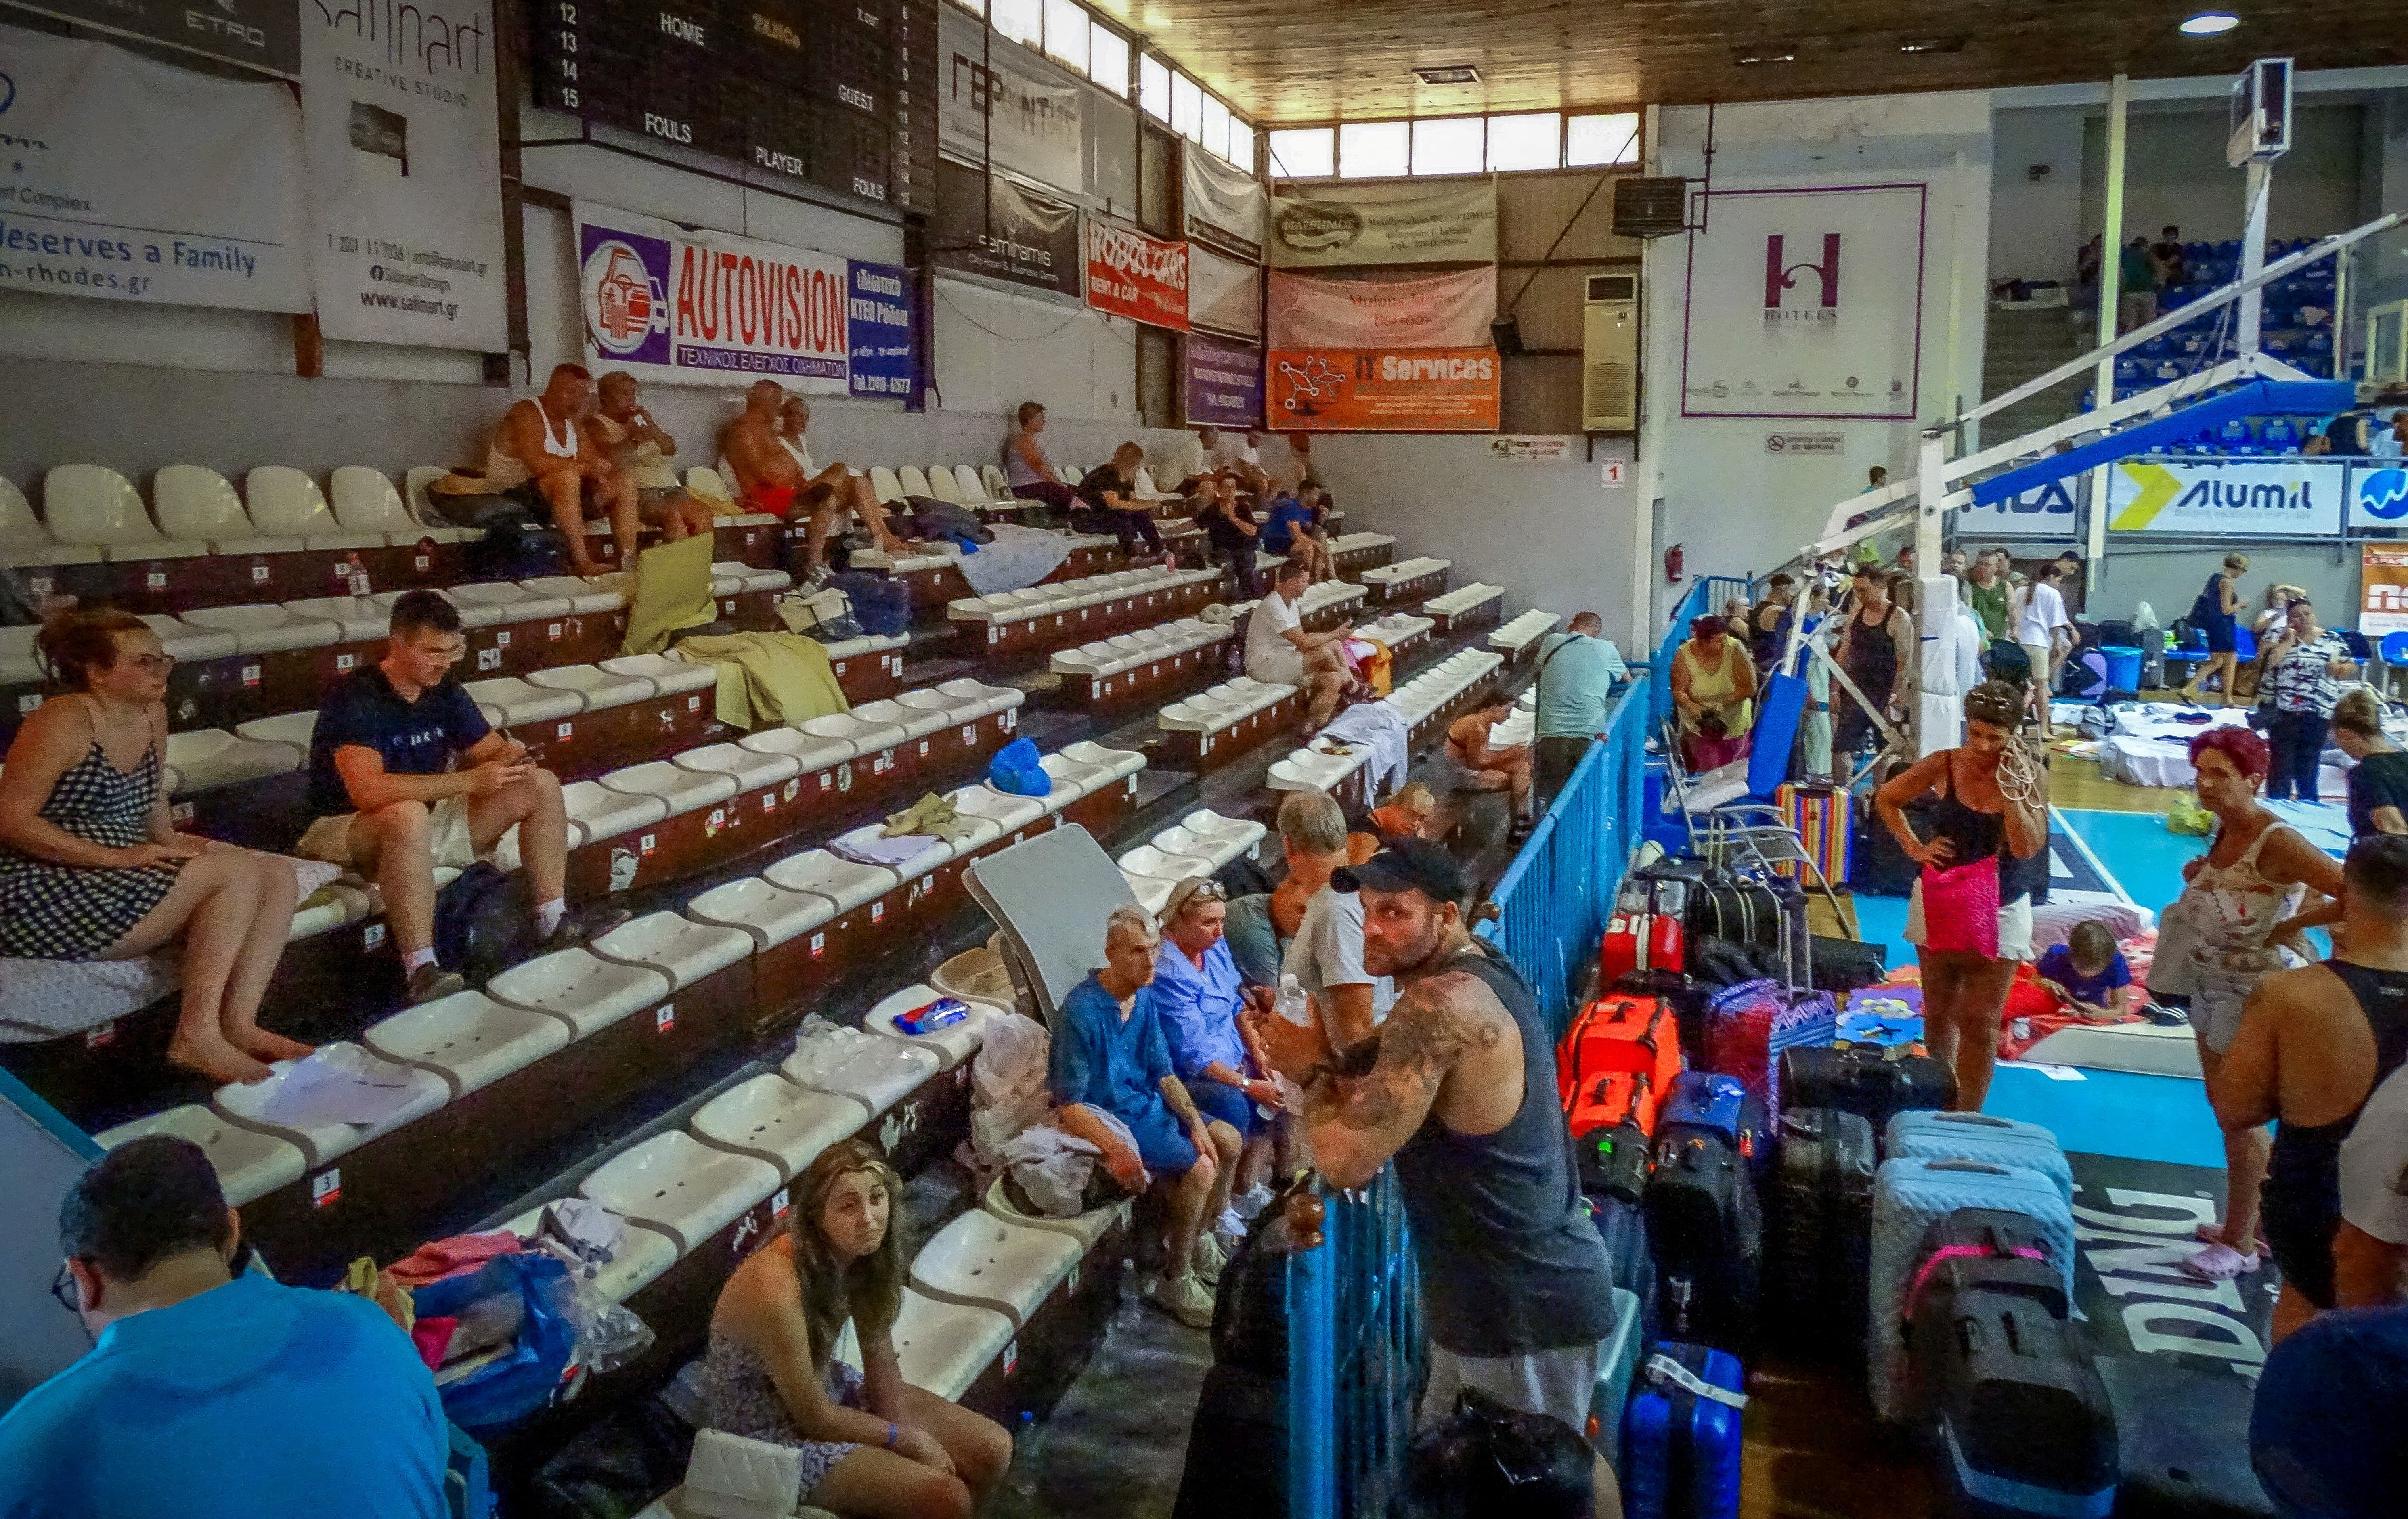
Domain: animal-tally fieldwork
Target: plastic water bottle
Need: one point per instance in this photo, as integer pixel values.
(1290, 1004)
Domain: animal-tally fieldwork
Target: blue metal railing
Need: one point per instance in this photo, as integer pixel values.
(1355, 1342)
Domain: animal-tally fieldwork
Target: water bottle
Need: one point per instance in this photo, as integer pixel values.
(1290, 1004)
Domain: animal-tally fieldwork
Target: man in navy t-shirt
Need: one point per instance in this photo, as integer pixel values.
(211, 1392)
(405, 775)
(1293, 529)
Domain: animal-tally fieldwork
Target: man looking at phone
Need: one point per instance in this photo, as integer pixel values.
(392, 804)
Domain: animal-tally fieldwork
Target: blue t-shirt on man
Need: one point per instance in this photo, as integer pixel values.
(251, 1400)
(1287, 515)
(1102, 1060)
(415, 737)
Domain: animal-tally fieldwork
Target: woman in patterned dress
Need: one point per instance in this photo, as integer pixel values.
(873, 1445)
(91, 868)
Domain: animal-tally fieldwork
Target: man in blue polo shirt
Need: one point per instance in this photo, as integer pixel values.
(209, 1395)
(392, 803)
(1577, 672)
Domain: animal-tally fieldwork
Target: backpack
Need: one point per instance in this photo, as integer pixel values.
(481, 922)
(932, 517)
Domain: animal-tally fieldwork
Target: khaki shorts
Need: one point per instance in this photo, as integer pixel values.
(449, 841)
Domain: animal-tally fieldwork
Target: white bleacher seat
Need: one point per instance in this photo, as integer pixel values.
(944, 1347)
(1087, 1228)
(1146, 490)
(18, 663)
(1348, 542)
(866, 737)
(366, 500)
(214, 757)
(768, 913)
(955, 702)
(642, 1256)
(913, 481)
(878, 1071)
(686, 1189)
(581, 987)
(986, 1261)
(704, 484)
(25, 542)
(1309, 769)
(1457, 602)
(997, 487)
(1523, 630)
(1153, 892)
(468, 1039)
(679, 948)
(195, 504)
(953, 1044)
(243, 1105)
(678, 792)
(94, 506)
(730, 577)
(596, 812)
(250, 1164)
(932, 850)
(915, 722)
(357, 619)
(750, 769)
(327, 909)
(883, 485)
(1216, 846)
(508, 702)
(290, 729)
(284, 502)
(845, 884)
(944, 485)
(1395, 628)
(1008, 812)
(486, 603)
(1071, 780)
(602, 593)
(593, 685)
(772, 1119)
(809, 752)
(670, 676)
(934, 557)
(266, 628)
(1148, 860)
(1115, 762)
(1406, 570)
(190, 644)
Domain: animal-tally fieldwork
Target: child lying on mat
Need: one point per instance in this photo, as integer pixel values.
(2090, 975)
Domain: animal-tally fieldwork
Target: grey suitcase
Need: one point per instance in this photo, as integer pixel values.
(1938, 1136)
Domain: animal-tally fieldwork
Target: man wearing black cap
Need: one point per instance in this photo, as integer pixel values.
(1461, 1095)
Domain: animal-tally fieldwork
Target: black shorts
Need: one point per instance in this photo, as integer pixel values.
(2298, 1234)
(2219, 636)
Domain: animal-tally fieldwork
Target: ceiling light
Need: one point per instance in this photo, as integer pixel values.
(2210, 23)
(1932, 44)
(1777, 52)
(1448, 73)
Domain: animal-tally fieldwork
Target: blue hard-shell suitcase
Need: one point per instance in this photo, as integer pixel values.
(1938, 1136)
(1702, 1099)
(1681, 1450)
(1911, 1195)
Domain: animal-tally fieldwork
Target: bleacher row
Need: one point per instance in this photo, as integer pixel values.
(664, 802)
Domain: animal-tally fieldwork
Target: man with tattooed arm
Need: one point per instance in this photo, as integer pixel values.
(1458, 1088)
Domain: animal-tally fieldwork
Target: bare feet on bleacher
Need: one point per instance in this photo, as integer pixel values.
(216, 1060)
(260, 1044)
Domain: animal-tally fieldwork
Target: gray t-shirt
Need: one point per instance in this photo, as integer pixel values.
(1327, 950)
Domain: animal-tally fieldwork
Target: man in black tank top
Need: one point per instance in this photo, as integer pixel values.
(2313, 1044)
(1516, 1291)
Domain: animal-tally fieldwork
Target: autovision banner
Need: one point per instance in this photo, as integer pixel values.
(2227, 498)
(706, 308)
(877, 320)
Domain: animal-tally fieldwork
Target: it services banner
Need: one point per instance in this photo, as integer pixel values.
(2227, 498)
(1455, 390)
(1132, 274)
(135, 180)
(405, 174)
(708, 308)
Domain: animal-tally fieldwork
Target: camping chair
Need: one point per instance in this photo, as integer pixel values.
(1730, 813)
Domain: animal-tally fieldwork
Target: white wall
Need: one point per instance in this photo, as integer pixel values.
(2176, 172)
(1550, 533)
(1735, 508)
(2032, 222)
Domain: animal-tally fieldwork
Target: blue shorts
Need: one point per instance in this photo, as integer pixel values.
(1162, 1141)
(2219, 636)
(1214, 1099)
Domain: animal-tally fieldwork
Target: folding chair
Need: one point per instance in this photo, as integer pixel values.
(1730, 813)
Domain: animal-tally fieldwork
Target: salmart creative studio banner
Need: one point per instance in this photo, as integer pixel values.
(2227, 498)
(1333, 226)
(878, 325)
(405, 176)
(1132, 274)
(1384, 391)
(1225, 382)
(1440, 311)
(135, 180)
(1806, 303)
(707, 308)
(989, 225)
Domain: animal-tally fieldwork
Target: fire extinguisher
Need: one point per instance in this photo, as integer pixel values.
(1674, 572)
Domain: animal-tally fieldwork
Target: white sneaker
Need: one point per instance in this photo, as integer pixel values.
(1209, 1257)
(1231, 1228)
(1183, 1298)
(1251, 1202)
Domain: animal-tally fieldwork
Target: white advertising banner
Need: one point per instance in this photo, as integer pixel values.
(404, 177)
(999, 104)
(1224, 295)
(2227, 498)
(1806, 303)
(1438, 310)
(2378, 494)
(135, 180)
(708, 308)
(1224, 201)
(2049, 511)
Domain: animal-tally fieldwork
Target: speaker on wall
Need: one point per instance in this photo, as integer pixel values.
(1650, 206)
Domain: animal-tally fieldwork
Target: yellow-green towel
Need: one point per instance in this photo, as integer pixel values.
(766, 679)
(672, 592)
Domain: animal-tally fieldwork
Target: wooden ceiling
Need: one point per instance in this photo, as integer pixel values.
(1296, 61)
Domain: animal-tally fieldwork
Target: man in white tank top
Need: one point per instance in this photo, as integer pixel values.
(640, 450)
(765, 450)
(541, 456)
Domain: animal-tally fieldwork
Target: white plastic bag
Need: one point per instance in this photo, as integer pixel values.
(1008, 1091)
(1052, 1168)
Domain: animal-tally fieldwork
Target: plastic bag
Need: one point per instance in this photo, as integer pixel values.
(1016, 769)
(2184, 815)
(608, 1335)
(534, 1292)
(1007, 1090)
(1052, 1168)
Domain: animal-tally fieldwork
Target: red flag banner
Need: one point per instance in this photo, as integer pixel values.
(1132, 274)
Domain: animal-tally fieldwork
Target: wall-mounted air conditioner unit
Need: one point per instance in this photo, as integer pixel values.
(1609, 355)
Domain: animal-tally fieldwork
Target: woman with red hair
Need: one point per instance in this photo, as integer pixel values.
(2221, 938)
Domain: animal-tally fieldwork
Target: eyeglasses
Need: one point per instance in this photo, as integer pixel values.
(153, 664)
(63, 1287)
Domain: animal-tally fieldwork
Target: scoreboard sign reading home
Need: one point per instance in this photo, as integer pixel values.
(836, 94)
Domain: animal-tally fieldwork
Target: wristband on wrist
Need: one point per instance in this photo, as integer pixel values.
(891, 1432)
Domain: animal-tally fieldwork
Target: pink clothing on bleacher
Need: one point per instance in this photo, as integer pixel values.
(462, 1253)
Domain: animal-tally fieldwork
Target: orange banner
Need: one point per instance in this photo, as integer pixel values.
(1342, 390)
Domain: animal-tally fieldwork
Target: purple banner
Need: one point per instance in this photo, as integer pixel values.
(1225, 382)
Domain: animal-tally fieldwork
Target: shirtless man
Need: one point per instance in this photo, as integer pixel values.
(541, 455)
(1459, 1092)
(640, 450)
(773, 474)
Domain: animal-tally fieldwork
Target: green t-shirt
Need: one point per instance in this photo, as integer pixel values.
(1988, 603)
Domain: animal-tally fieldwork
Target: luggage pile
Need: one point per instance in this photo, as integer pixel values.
(1770, 1171)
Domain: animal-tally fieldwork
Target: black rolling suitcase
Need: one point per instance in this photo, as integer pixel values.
(1820, 1216)
(1867, 1082)
(1236, 1447)
(1768, 912)
(1622, 1227)
(1986, 1248)
(2019, 1420)
(1705, 1223)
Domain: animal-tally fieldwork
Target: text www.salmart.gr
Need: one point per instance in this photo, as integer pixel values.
(446, 309)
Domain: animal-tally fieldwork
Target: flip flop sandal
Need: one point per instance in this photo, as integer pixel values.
(2220, 1263)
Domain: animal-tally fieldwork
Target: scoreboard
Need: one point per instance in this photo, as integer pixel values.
(835, 93)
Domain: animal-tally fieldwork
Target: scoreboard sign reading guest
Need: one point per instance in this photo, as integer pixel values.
(707, 308)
